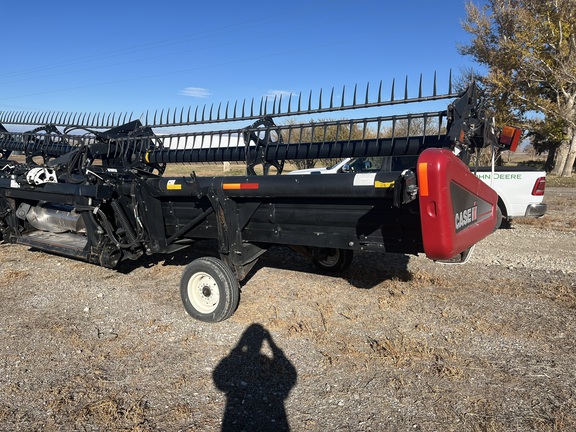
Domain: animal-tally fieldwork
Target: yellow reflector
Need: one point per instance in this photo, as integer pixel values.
(231, 186)
(379, 184)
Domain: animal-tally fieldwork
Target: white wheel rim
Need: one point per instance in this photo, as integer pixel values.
(203, 292)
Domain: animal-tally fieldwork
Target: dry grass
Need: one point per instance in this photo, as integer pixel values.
(548, 221)
(11, 277)
(555, 181)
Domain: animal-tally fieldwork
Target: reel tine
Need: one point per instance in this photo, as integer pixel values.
(279, 104)
(406, 89)
(32, 118)
(44, 117)
(420, 87)
(332, 98)
(35, 118)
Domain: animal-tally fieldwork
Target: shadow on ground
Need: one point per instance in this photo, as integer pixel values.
(255, 383)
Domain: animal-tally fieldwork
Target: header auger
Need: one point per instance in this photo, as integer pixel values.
(91, 187)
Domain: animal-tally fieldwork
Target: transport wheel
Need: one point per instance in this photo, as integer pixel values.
(209, 290)
(332, 260)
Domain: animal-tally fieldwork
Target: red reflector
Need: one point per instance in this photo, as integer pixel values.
(510, 137)
(539, 186)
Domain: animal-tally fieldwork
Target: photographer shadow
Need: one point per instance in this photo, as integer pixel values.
(255, 384)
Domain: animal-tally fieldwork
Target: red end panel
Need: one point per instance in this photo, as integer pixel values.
(457, 209)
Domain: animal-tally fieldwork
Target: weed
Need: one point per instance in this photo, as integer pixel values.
(395, 350)
(115, 412)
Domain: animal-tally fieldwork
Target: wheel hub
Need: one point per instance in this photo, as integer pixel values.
(203, 292)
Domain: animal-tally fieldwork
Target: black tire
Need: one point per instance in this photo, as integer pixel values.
(332, 260)
(209, 290)
(499, 217)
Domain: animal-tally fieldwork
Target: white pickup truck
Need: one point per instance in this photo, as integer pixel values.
(520, 189)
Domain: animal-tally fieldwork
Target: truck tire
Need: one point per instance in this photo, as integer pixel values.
(503, 221)
(209, 290)
(333, 260)
(499, 217)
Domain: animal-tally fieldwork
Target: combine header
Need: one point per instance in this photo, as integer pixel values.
(91, 186)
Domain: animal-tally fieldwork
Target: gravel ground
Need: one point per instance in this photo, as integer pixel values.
(396, 343)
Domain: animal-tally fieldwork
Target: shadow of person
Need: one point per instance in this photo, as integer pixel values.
(255, 384)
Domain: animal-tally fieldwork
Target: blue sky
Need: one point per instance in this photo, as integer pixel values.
(132, 56)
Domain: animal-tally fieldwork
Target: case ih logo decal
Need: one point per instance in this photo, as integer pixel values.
(466, 217)
(467, 207)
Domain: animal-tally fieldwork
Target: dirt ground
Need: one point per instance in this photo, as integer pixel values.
(395, 343)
